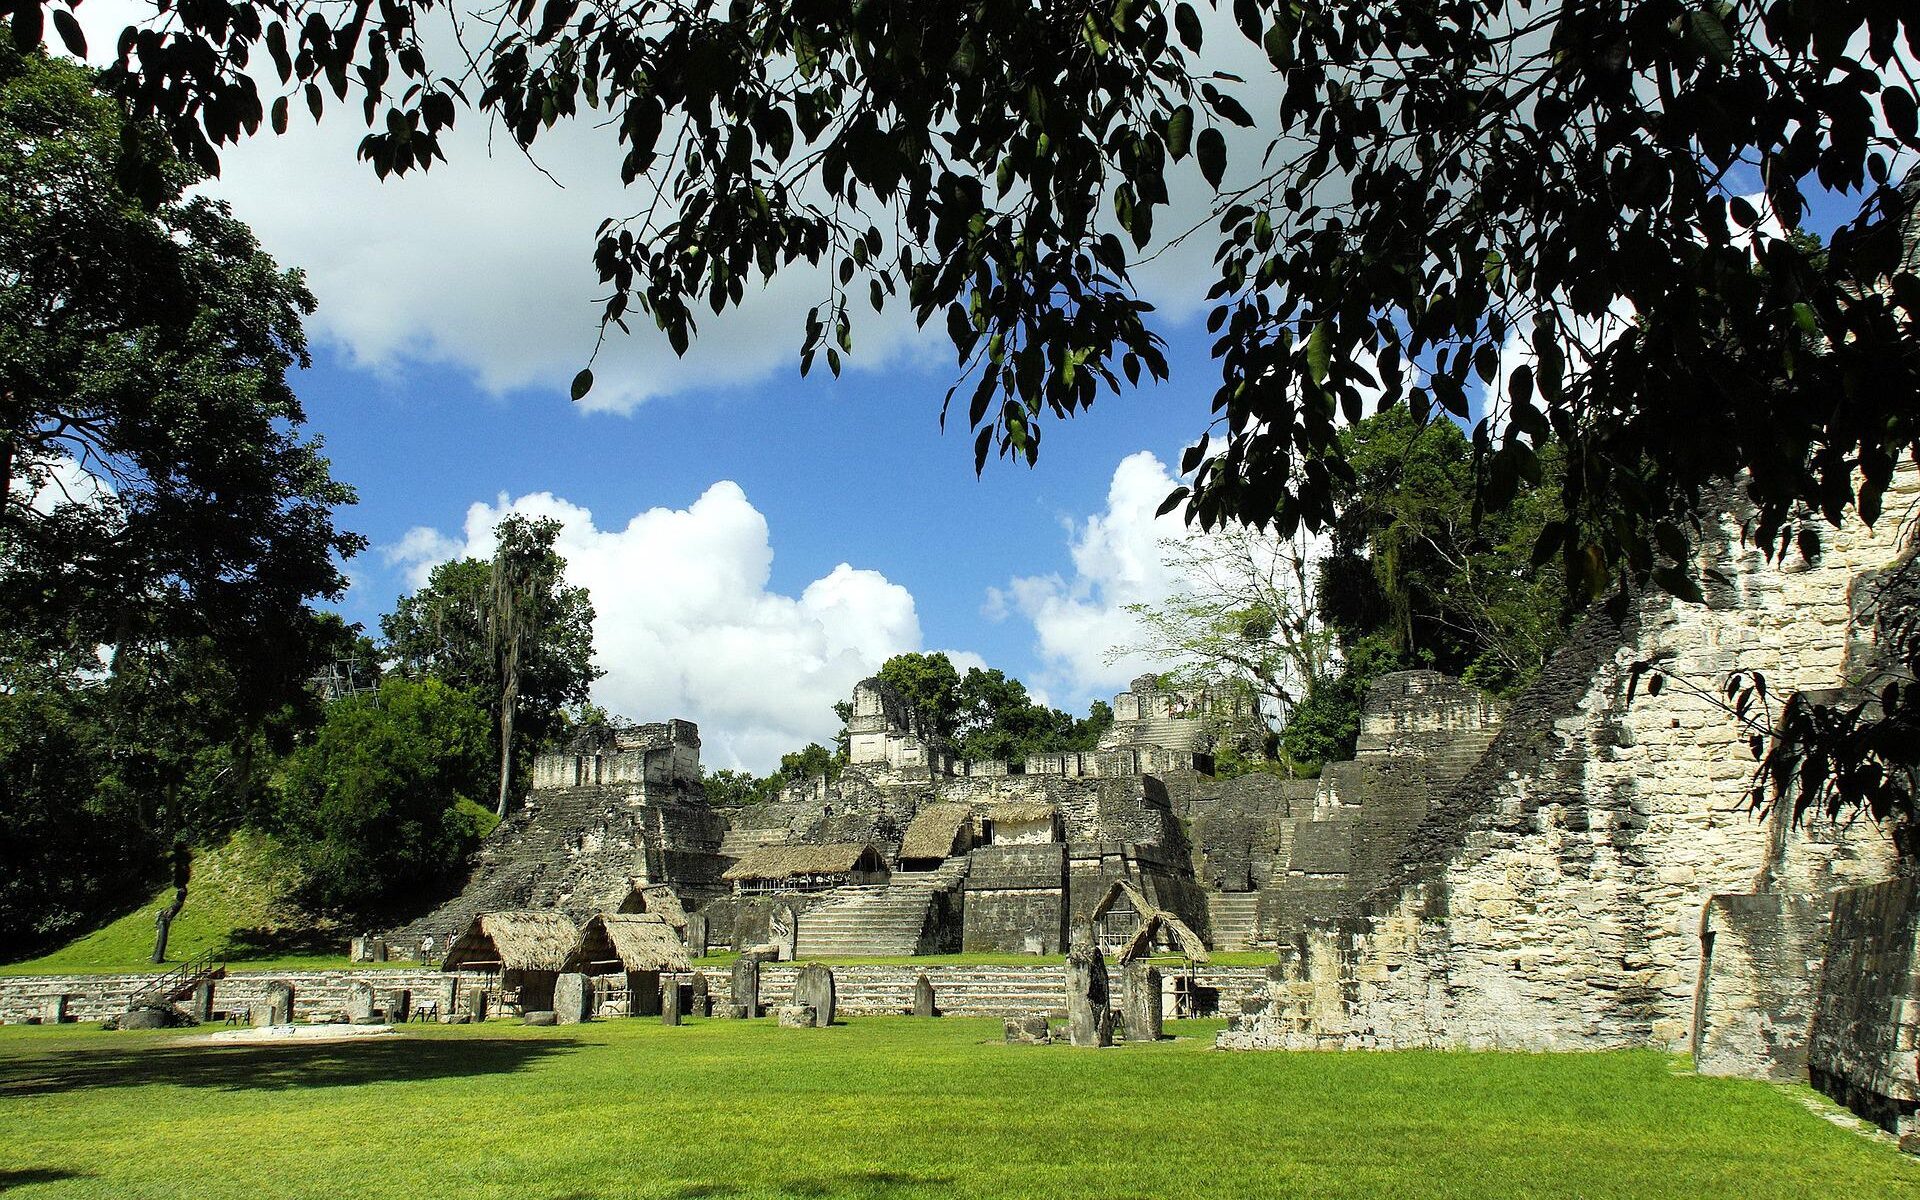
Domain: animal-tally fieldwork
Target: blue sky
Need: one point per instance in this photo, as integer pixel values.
(755, 542)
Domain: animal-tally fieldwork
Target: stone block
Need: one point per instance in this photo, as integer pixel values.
(1140, 1002)
(200, 1005)
(145, 1018)
(1089, 1014)
(279, 998)
(399, 1005)
(813, 987)
(746, 985)
(572, 998)
(1027, 1031)
(702, 996)
(923, 997)
(477, 1000)
(797, 1016)
(359, 1001)
(53, 1010)
(541, 1016)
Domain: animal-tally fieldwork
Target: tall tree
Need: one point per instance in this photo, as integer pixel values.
(509, 629)
(1245, 612)
(379, 807)
(164, 519)
(1419, 187)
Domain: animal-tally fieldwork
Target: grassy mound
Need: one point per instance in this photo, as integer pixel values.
(237, 906)
(890, 1107)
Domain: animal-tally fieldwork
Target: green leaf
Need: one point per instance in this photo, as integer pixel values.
(1319, 352)
(1187, 23)
(1710, 35)
(69, 30)
(1212, 149)
(582, 383)
(1180, 131)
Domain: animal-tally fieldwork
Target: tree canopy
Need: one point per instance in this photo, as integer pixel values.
(1409, 203)
(164, 519)
(509, 629)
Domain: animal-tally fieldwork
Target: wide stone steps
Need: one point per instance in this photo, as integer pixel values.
(865, 921)
(1234, 919)
(982, 992)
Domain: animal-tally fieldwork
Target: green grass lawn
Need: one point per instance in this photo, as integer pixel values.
(235, 907)
(888, 1107)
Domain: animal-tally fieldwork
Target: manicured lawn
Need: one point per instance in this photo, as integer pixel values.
(887, 1107)
(234, 908)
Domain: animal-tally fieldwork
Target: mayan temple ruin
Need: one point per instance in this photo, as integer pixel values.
(1580, 869)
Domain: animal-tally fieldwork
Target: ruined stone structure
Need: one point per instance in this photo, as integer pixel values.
(621, 811)
(1557, 894)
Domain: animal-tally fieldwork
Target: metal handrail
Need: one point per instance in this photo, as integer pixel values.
(182, 977)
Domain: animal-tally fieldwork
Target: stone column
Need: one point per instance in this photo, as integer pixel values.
(697, 935)
(670, 1003)
(572, 998)
(359, 1002)
(702, 995)
(1140, 1002)
(200, 1008)
(279, 998)
(813, 988)
(399, 1005)
(643, 993)
(54, 1010)
(1089, 1018)
(746, 986)
(923, 997)
(448, 996)
(477, 1003)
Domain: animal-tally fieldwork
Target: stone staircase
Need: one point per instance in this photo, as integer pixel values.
(976, 991)
(1234, 919)
(862, 921)
(945, 877)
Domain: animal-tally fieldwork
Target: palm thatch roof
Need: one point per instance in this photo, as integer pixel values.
(658, 900)
(629, 942)
(935, 831)
(1121, 889)
(1154, 923)
(1021, 811)
(1174, 929)
(785, 862)
(519, 940)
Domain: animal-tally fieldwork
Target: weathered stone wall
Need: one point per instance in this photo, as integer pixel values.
(1865, 1044)
(1759, 962)
(315, 993)
(1553, 900)
(1015, 900)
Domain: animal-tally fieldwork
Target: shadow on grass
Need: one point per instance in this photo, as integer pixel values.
(272, 1068)
(19, 1179)
(860, 1183)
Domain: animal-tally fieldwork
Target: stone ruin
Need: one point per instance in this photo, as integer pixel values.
(1579, 871)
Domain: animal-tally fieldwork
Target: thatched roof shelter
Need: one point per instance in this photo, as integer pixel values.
(1164, 924)
(614, 942)
(786, 862)
(935, 831)
(1155, 923)
(658, 900)
(520, 940)
(1021, 812)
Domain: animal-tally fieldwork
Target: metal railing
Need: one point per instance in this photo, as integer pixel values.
(179, 981)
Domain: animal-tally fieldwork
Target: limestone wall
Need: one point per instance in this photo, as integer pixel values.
(1865, 1045)
(1554, 899)
(315, 993)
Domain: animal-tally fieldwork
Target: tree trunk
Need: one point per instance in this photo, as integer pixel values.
(509, 695)
(163, 920)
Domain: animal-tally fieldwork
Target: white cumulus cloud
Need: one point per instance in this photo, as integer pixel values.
(686, 625)
(1117, 561)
